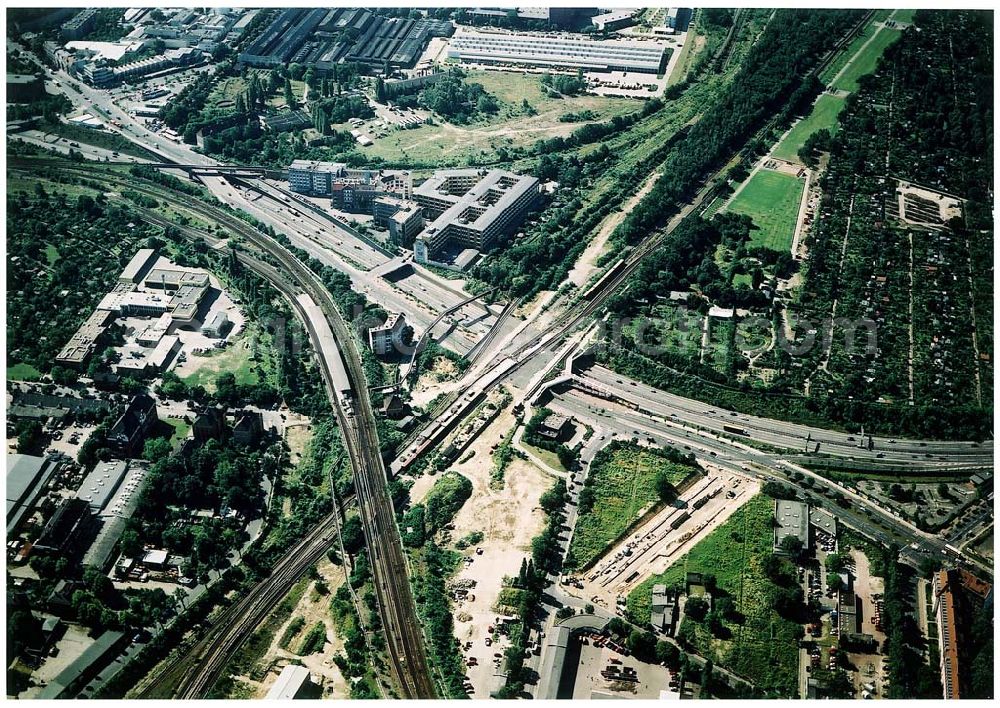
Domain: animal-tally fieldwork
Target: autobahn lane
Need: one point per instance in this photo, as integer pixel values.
(878, 522)
(780, 433)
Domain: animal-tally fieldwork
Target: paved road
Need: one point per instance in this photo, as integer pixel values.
(783, 434)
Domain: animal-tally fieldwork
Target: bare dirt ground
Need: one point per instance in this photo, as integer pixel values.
(585, 266)
(441, 378)
(314, 607)
(865, 586)
(298, 433)
(508, 519)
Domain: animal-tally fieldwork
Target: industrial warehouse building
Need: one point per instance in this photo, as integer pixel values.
(471, 208)
(558, 52)
(320, 38)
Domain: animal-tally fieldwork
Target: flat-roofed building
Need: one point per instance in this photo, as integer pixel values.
(85, 340)
(471, 208)
(175, 278)
(293, 682)
(140, 264)
(217, 325)
(388, 337)
(611, 21)
(791, 519)
(353, 189)
(101, 483)
(558, 51)
(27, 476)
(152, 334)
(404, 219)
(163, 353)
(24, 88)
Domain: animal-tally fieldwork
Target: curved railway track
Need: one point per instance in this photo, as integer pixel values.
(201, 667)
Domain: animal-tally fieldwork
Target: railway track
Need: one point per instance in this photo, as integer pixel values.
(407, 658)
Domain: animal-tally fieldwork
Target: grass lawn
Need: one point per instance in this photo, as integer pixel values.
(824, 115)
(235, 358)
(764, 646)
(23, 372)
(772, 200)
(51, 254)
(865, 62)
(447, 144)
(622, 479)
(849, 51)
(180, 430)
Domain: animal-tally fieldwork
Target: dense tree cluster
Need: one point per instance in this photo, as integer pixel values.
(768, 83)
(560, 85)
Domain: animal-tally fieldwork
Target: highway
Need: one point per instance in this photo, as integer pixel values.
(790, 436)
(612, 417)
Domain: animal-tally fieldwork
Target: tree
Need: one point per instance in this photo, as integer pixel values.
(486, 103)
(667, 653)
(30, 439)
(834, 582)
(289, 95)
(664, 488)
(696, 608)
(792, 545)
(156, 449)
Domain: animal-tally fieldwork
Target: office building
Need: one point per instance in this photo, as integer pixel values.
(471, 208)
(388, 337)
(562, 51)
(352, 190)
(611, 21)
(403, 219)
(678, 18)
(78, 26)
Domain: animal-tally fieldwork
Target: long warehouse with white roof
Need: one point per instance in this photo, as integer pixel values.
(558, 52)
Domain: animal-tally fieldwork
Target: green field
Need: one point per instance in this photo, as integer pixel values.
(181, 429)
(237, 358)
(23, 372)
(763, 646)
(622, 479)
(51, 254)
(824, 115)
(772, 200)
(865, 62)
(448, 144)
(840, 61)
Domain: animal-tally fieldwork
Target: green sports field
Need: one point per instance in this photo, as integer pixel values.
(772, 200)
(824, 115)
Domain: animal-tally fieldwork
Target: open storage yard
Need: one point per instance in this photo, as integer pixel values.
(622, 480)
